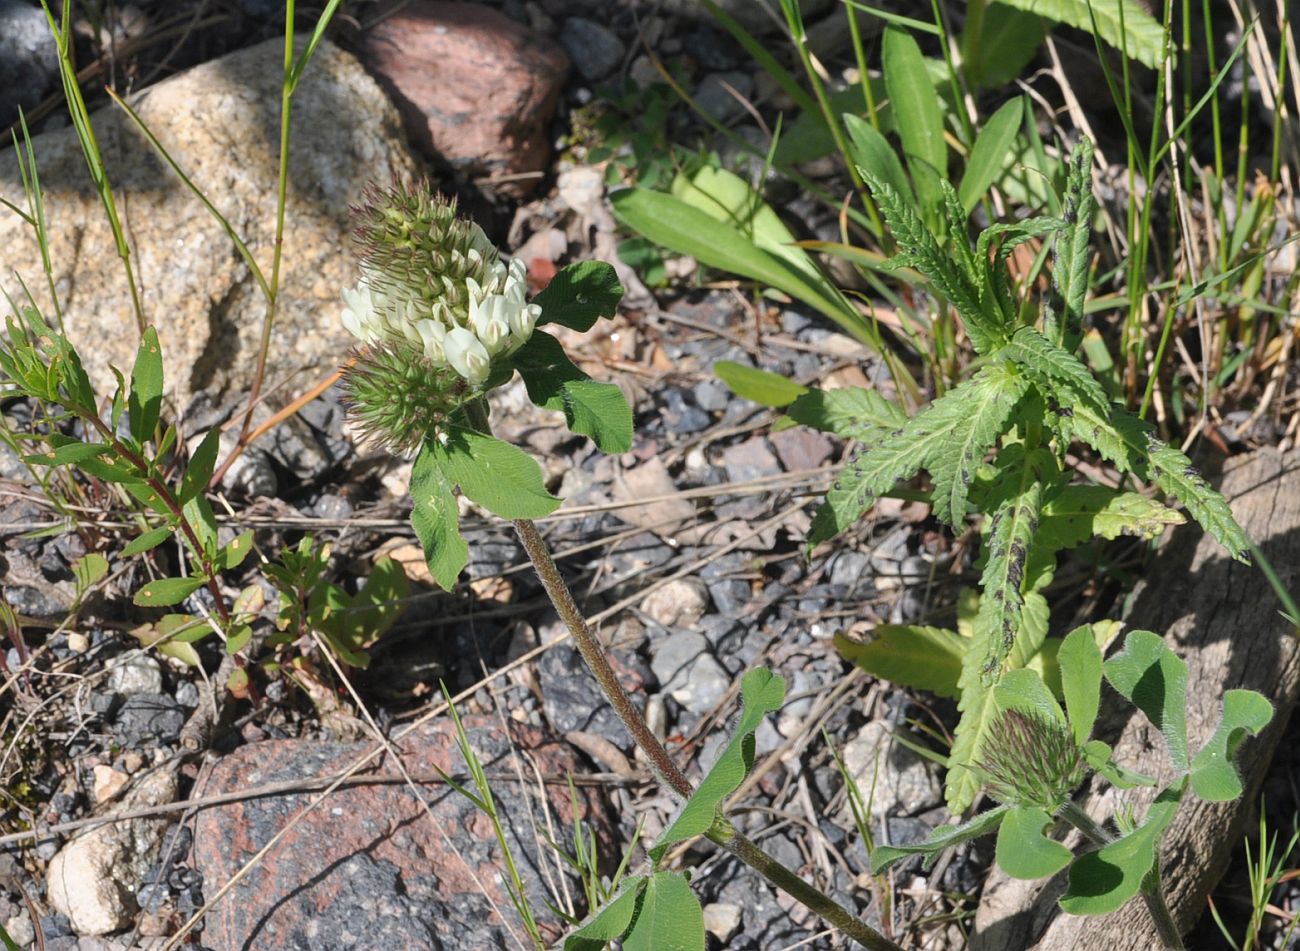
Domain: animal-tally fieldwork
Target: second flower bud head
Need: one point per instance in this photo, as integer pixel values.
(436, 299)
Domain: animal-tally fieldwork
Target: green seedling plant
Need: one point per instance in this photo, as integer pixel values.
(1035, 755)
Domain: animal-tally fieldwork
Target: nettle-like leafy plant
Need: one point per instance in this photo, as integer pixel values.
(996, 445)
(1034, 756)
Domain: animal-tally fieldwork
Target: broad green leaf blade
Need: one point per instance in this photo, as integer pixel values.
(917, 113)
(436, 520)
(579, 295)
(989, 155)
(1124, 24)
(1214, 777)
(669, 918)
(612, 921)
(1082, 512)
(852, 412)
(202, 461)
(592, 409)
(925, 437)
(503, 479)
(1023, 851)
(1127, 441)
(941, 838)
(1154, 679)
(952, 464)
(1059, 374)
(149, 540)
(759, 386)
(1079, 660)
(166, 591)
(1102, 881)
(233, 553)
(1024, 690)
(88, 569)
(676, 225)
(145, 399)
(928, 658)
(1004, 45)
(997, 626)
(761, 692)
(871, 152)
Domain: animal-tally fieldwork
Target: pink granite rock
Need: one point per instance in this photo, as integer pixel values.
(474, 87)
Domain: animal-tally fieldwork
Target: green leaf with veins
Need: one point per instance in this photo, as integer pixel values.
(554, 382)
(502, 478)
(668, 918)
(1154, 679)
(579, 295)
(436, 520)
(1079, 661)
(1214, 777)
(943, 837)
(927, 658)
(1023, 851)
(852, 412)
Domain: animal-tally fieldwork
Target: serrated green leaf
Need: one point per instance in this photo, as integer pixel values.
(761, 692)
(990, 153)
(997, 625)
(941, 838)
(669, 917)
(1154, 679)
(436, 520)
(579, 295)
(871, 152)
(502, 478)
(917, 114)
(1214, 777)
(611, 921)
(1102, 881)
(927, 658)
(1124, 24)
(202, 461)
(759, 386)
(1127, 441)
(852, 412)
(1082, 512)
(147, 541)
(145, 398)
(1059, 374)
(1071, 253)
(166, 591)
(1079, 661)
(1023, 851)
(898, 455)
(988, 409)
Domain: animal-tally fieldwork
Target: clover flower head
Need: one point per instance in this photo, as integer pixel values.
(1030, 759)
(434, 294)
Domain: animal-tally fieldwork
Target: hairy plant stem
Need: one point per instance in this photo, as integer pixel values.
(722, 833)
(1153, 892)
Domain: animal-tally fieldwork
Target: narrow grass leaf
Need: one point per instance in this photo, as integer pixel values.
(1023, 851)
(1214, 777)
(917, 113)
(927, 658)
(988, 157)
(759, 386)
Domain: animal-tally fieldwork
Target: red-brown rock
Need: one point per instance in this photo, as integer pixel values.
(474, 87)
(369, 868)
